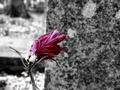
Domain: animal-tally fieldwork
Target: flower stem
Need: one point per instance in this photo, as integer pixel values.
(30, 67)
(32, 78)
(21, 57)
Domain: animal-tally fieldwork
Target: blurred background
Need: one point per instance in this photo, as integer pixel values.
(21, 21)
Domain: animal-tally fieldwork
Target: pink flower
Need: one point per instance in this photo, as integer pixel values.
(48, 45)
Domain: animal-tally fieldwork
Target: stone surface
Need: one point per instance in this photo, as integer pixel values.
(92, 61)
(89, 9)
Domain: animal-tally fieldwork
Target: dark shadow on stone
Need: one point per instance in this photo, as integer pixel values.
(14, 66)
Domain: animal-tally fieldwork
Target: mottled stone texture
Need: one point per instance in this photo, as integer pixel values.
(92, 61)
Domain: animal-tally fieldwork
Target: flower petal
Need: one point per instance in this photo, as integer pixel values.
(57, 39)
(47, 45)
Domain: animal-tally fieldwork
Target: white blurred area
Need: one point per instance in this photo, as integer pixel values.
(19, 33)
(22, 83)
(1, 6)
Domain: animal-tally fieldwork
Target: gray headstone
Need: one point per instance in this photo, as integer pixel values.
(92, 61)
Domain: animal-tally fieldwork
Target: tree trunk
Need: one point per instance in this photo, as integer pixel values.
(16, 8)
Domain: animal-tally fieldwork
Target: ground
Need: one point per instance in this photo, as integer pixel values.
(22, 83)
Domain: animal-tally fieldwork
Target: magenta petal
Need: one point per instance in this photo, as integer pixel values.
(54, 34)
(51, 36)
(57, 39)
(47, 44)
(34, 46)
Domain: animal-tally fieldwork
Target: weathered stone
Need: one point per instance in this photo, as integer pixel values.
(93, 57)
